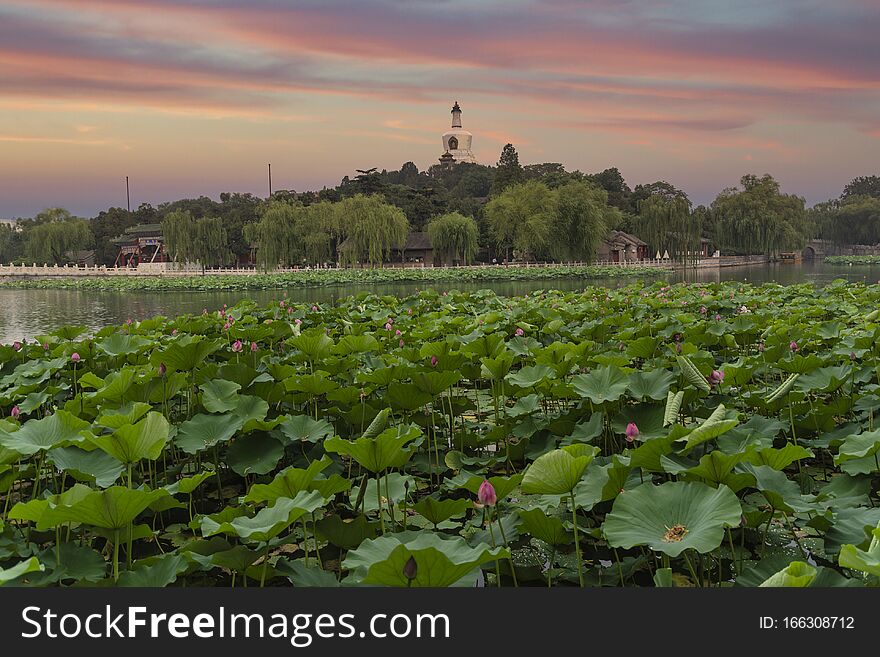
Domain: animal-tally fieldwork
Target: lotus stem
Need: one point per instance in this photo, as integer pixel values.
(577, 543)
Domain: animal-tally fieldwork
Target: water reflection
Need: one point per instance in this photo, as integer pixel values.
(28, 313)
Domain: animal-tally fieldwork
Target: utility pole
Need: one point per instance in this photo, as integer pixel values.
(270, 179)
(127, 195)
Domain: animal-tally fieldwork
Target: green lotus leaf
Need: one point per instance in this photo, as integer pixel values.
(712, 427)
(356, 344)
(185, 354)
(313, 343)
(254, 453)
(304, 428)
(672, 517)
(653, 384)
(114, 508)
(867, 561)
(530, 376)
(57, 430)
(287, 483)
(69, 561)
(156, 572)
(778, 459)
(96, 465)
(22, 568)
(119, 417)
(436, 511)
(219, 395)
(434, 383)
(237, 559)
(188, 485)
(549, 529)
(301, 575)
(797, 574)
(346, 534)
(862, 448)
(692, 375)
(205, 431)
(123, 344)
(440, 561)
(559, 471)
(132, 442)
(603, 384)
(390, 449)
(268, 522)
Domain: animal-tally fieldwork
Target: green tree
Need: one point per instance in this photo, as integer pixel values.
(454, 237)
(10, 244)
(275, 235)
(372, 228)
(862, 186)
(211, 243)
(665, 221)
(581, 219)
(508, 172)
(619, 193)
(855, 220)
(759, 218)
(520, 220)
(179, 233)
(54, 235)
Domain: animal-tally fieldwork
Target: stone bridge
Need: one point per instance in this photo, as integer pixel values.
(818, 249)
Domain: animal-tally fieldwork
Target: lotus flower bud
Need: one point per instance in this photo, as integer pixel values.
(15, 412)
(631, 432)
(236, 346)
(254, 347)
(486, 494)
(162, 369)
(716, 377)
(16, 345)
(410, 568)
(519, 332)
(74, 357)
(793, 345)
(401, 342)
(433, 361)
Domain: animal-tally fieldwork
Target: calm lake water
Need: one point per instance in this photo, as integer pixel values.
(25, 314)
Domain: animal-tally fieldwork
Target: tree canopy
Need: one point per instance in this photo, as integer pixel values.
(455, 238)
(54, 235)
(758, 218)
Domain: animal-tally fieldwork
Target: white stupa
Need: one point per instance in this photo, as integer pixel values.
(457, 141)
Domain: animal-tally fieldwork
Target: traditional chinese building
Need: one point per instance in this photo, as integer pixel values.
(457, 141)
(143, 243)
(622, 247)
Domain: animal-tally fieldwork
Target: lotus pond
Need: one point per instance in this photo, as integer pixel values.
(689, 435)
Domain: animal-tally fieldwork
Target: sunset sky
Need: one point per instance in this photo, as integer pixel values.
(191, 97)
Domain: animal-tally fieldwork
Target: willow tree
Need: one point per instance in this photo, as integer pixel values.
(179, 234)
(665, 221)
(320, 231)
(852, 220)
(759, 218)
(454, 237)
(520, 220)
(372, 228)
(581, 218)
(54, 235)
(275, 235)
(211, 243)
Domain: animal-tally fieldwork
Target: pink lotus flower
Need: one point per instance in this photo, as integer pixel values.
(716, 377)
(16, 345)
(703, 310)
(519, 332)
(254, 346)
(173, 331)
(486, 494)
(314, 309)
(409, 311)
(236, 346)
(74, 357)
(15, 412)
(46, 346)
(631, 432)
(397, 332)
(162, 369)
(281, 304)
(401, 343)
(226, 326)
(297, 321)
(793, 345)
(289, 310)
(717, 317)
(388, 326)
(128, 321)
(433, 361)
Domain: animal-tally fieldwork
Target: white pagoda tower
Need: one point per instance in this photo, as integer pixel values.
(457, 141)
